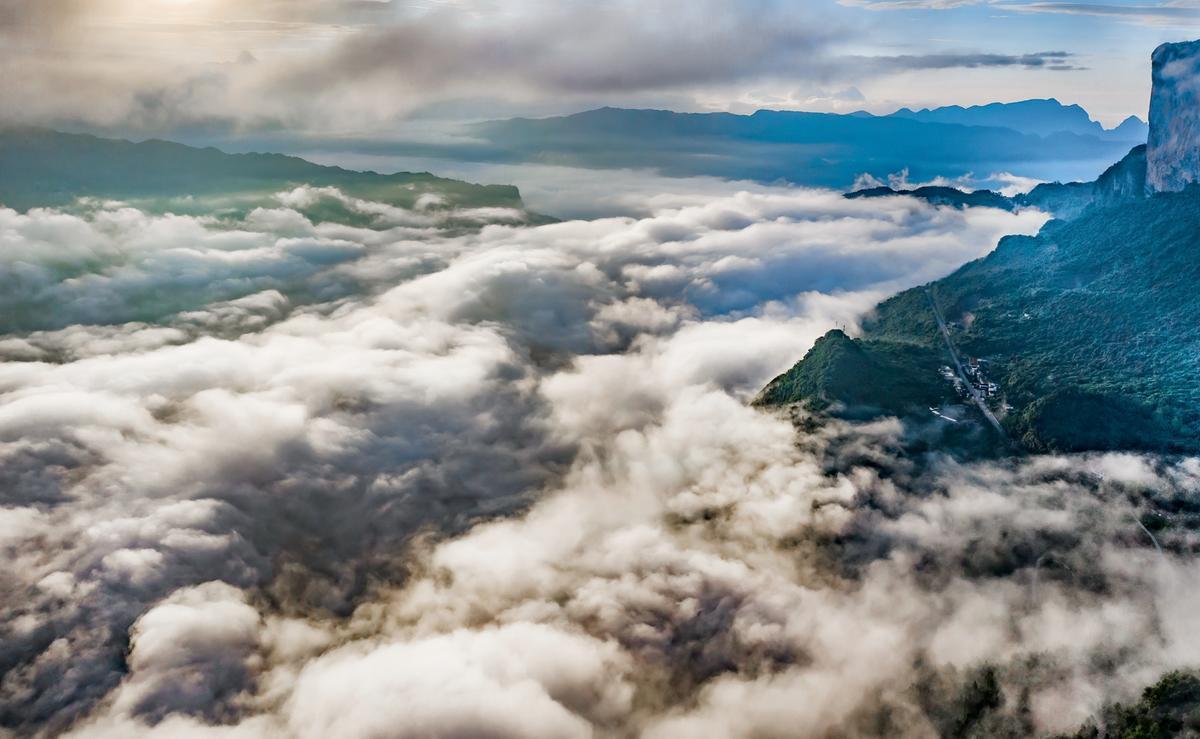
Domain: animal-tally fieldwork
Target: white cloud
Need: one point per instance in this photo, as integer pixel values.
(507, 480)
(512, 680)
(336, 67)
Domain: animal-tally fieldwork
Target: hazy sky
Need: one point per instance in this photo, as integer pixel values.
(322, 467)
(364, 65)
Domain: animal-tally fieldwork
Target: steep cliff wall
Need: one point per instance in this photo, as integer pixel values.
(1173, 153)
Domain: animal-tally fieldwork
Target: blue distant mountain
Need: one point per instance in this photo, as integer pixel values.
(1132, 128)
(1039, 117)
(1042, 139)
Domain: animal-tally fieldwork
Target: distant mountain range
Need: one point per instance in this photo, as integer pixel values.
(1038, 138)
(1039, 117)
(1082, 338)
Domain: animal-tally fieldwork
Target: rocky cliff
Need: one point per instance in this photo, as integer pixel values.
(1122, 182)
(1088, 329)
(1173, 152)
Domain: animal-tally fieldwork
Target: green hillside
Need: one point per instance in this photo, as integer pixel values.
(859, 377)
(1123, 181)
(42, 168)
(1090, 329)
(943, 196)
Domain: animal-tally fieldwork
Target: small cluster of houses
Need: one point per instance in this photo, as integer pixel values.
(975, 374)
(986, 387)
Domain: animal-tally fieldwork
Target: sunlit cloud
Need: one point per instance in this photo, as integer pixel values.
(208, 464)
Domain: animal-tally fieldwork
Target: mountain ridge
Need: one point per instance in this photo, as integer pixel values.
(1086, 329)
(1121, 182)
(1081, 338)
(40, 167)
(1035, 116)
(805, 148)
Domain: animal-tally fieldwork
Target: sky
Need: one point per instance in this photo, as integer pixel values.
(373, 66)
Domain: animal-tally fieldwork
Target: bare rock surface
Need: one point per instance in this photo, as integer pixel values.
(1173, 153)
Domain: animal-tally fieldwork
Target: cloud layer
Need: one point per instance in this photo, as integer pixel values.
(407, 480)
(215, 67)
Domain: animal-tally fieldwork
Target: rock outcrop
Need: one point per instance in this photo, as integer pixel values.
(1122, 182)
(1173, 152)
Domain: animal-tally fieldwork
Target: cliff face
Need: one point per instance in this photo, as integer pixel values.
(1122, 182)
(1173, 153)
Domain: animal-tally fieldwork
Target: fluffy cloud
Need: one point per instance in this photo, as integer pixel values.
(337, 66)
(506, 481)
(520, 679)
(327, 63)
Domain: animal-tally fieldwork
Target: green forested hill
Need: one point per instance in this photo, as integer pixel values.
(1091, 329)
(40, 167)
(859, 377)
(1123, 181)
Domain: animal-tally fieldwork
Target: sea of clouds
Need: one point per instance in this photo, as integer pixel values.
(263, 477)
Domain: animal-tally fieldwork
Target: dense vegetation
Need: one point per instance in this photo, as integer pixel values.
(859, 378)
(1090, 329)
(1106, 306)
(943, 196)
(1122, 182)
(976, 705)
(1169, 708)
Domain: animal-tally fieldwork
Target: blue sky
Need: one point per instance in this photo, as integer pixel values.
(1110, 39)
(372, 66)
